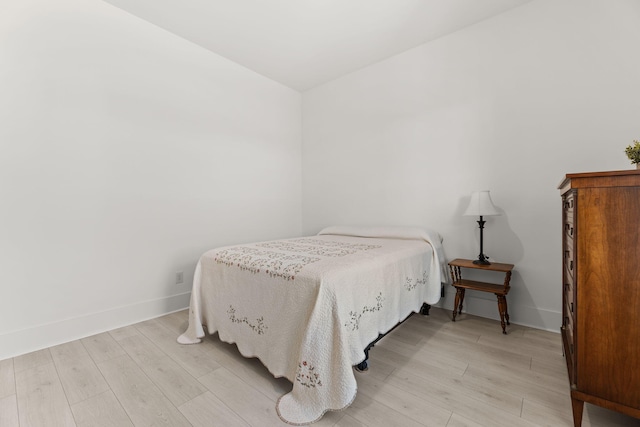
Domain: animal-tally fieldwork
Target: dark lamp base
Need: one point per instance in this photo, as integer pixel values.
(481, 262)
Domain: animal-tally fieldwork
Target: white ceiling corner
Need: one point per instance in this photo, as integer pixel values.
(305, 43)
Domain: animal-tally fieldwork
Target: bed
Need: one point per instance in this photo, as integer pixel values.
(309, 307)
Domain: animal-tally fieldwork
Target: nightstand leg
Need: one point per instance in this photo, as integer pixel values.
(457, 306)
(502, 308)
(506, 310)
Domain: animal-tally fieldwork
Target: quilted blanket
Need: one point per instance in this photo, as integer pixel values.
(308, 307)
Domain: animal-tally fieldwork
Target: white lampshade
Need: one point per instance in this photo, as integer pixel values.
(481, 205)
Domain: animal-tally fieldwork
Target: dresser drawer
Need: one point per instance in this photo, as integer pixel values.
(568, 326)
(569, 298)
(569, 352)
(568, 275)
(569, 218)
(568, 207)
(568, 228)
(569, 312)
(568, 261)
(568, 202)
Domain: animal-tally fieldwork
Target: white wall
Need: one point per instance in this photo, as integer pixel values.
(125, 152)
(509, 105)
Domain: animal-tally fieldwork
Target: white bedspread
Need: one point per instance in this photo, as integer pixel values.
(308, 307)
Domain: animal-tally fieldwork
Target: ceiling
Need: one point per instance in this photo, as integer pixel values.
(304, 43)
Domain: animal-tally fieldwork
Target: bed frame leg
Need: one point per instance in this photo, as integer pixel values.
(425, 309)
(364, 365)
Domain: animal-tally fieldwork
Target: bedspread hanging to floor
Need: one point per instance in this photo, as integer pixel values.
(308, 307)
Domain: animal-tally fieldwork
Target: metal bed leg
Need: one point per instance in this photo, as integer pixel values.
(364, 365)
(425, 309)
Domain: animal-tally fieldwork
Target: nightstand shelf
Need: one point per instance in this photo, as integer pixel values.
(500, 291)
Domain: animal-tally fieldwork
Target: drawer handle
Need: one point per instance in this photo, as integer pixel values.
(571, 265)
(572, 307)
(566, 321)
(567, 254)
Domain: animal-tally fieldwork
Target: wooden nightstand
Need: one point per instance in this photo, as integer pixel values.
(462, 285)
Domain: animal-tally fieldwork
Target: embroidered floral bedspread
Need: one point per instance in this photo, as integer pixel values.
(308, 307)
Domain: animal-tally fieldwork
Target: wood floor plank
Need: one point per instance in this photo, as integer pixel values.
(552, 366)
(483, 327)
(402, 401)
(544, 338)
(349, 421)
(371, 412)
(550, 391)
(141, 399)
(177, 322)
(7, 378)
(193, 358)
(207, 410)
(480, 390)
(253, 406)
(430, 327)
(41, 398)
(9, 411)
(125, 332)
(102, 347)
(141, 349)
(330, 419)
(471, 325)
(544, 416)
(455, 398)
(32, 360)
(430, 371)
(175, 382)
(77, 371)
(421, 355)
(458, 349)
(256, 409)
(532, 345)
(379, 366)
(409, 335)
(102, 410)
(460, 421)
(251, 370)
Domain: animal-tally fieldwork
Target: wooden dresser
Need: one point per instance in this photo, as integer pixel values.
(601, 289)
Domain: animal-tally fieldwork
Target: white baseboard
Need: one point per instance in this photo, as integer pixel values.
(519, 314)
(42, 336)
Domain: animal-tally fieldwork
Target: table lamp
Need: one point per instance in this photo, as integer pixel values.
(481, 205)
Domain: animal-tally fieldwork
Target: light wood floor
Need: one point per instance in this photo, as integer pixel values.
(428, 372)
